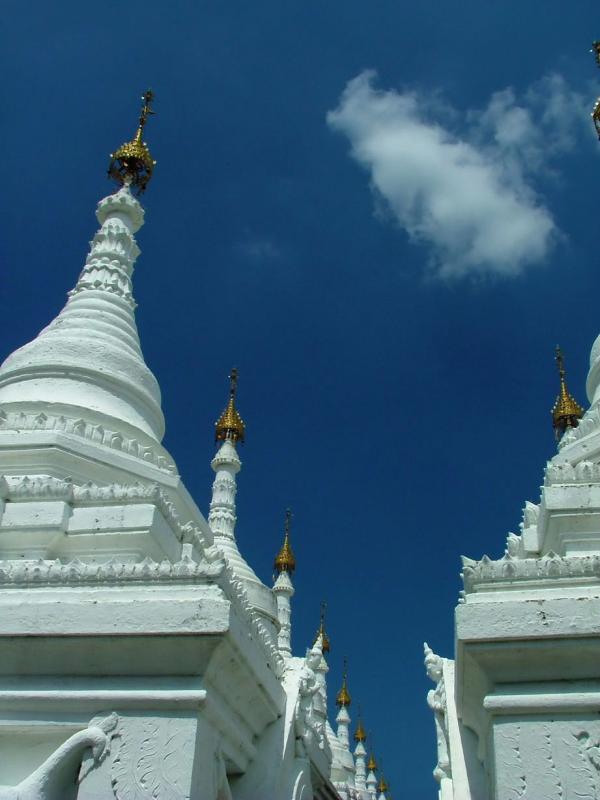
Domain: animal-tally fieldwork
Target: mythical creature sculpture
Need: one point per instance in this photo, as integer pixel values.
(307, 728)
(436, 700)
(58, 777)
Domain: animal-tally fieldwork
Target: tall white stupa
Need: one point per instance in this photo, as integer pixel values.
(141, 658)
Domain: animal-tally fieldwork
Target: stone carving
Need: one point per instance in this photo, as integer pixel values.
(47, 488)
(148, 762)
(588, 748)
(309, 725)
(235, 591)
(514, 545)
(588, 424)
(531, 513)
(58, 776)
(509, 569)
(40, 488)
(436, 700)
(18, 572)
(585, 472)
(19, 421)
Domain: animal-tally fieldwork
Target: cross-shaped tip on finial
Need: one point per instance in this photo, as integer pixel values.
(148, 98)
(288, 520)
(560, 361)
(323, 610)
(233, 379)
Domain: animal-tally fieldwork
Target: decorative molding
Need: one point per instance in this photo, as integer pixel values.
(531, 513)
(20, 573)
(44, 487)
(234, 590)
(39, 487)
(585, 472)
(76, 426)
(588, 424)
(510, 570)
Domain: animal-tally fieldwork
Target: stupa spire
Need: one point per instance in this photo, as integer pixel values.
(222, 516)
(230, 425)
(566, 411)
(132, 164)
(285, 564)
(371, 776)
(228, 429)
(382, 788)
(285, 560)
(360, 755)
(87, 363)
(343, 701)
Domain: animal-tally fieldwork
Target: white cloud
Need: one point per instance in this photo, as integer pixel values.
(469, 197)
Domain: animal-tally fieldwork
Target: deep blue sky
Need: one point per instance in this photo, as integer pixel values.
(404, 419)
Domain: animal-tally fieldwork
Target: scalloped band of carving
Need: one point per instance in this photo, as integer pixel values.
(583, 472)
(234, 590)
(38, 488)
(13, 421)
(508, 570)
(47, 488)
(18, 573)
(587, 425)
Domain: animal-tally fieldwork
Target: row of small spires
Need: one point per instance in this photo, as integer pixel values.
(231, 426)
(566, 413)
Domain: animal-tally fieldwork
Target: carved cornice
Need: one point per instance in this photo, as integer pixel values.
(585, 472)
(76, 426)
(38, 487)
(41, 572)
(234, 589)
(510, 571)
(589, 423)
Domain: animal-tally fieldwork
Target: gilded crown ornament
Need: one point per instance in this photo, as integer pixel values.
(596, 110)
(285, 560)
(343, 696)
(132, 164)
(372, 764)
(230, 425)
(325, 643)
(566, 411)
(360, 735)
(383, 785)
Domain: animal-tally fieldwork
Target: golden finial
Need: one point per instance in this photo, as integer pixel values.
(132, 164)
(596, 111)
(285, 561)
(372, 764)
(230, 425)
(566, 411)
(360, 734)
(325, 643)
(382, 786)
(343, 696)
